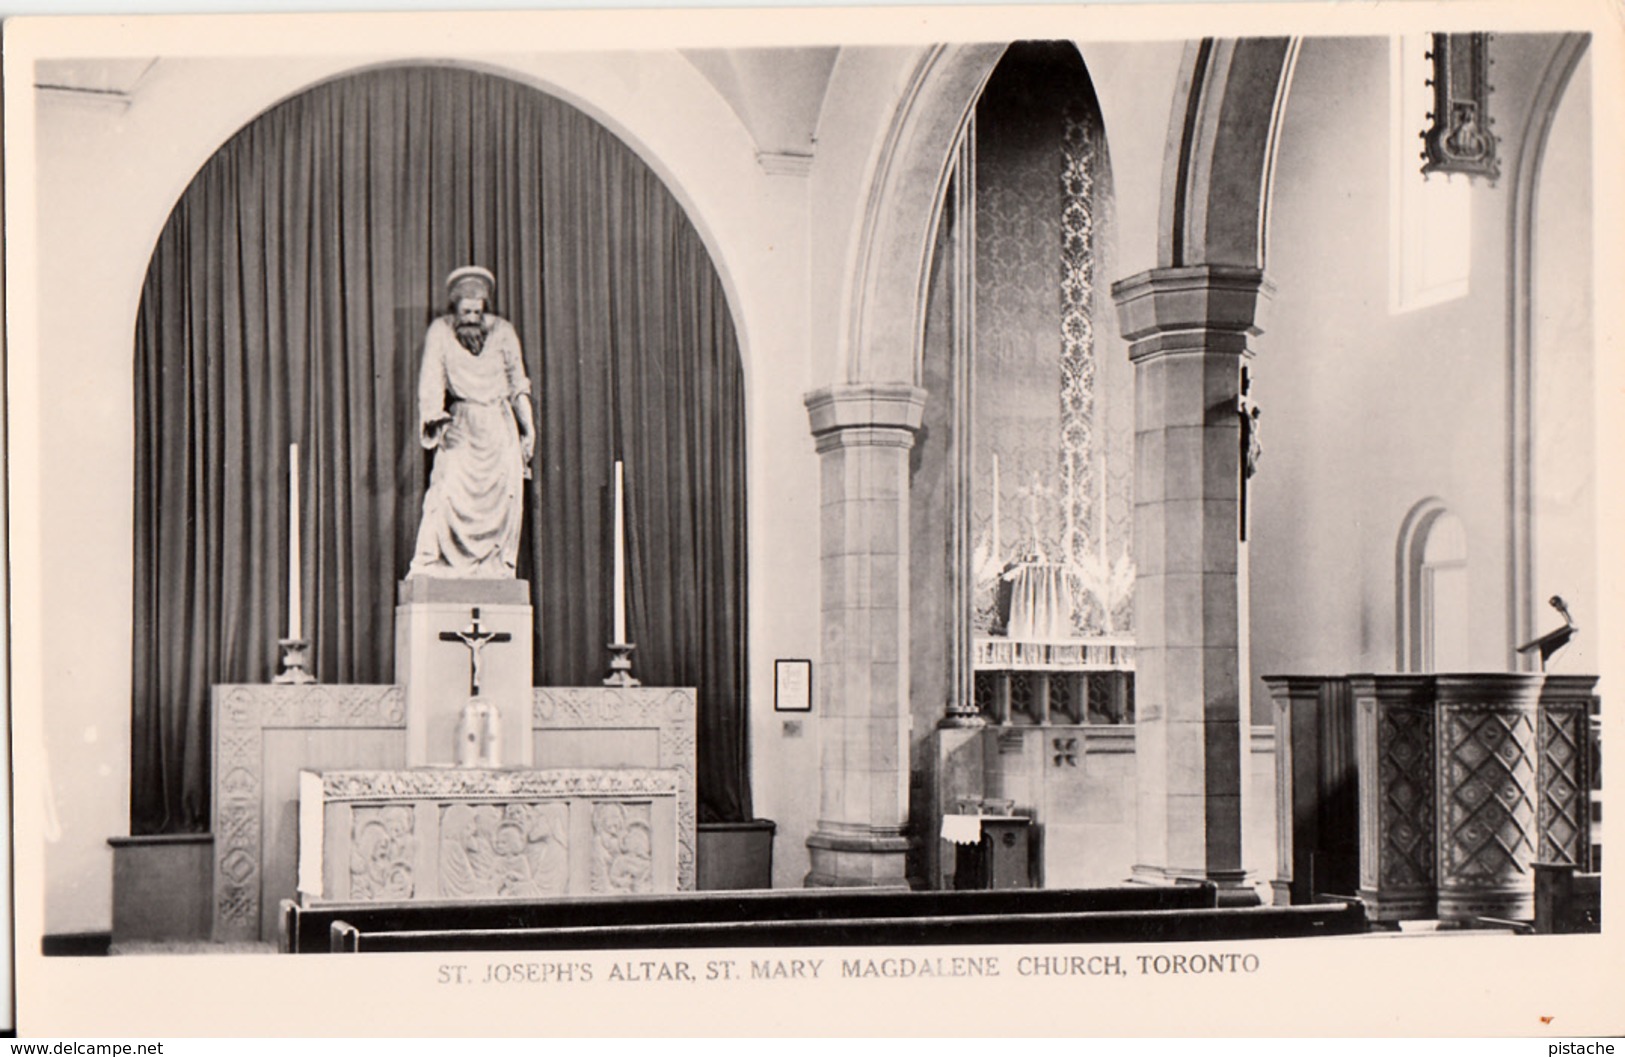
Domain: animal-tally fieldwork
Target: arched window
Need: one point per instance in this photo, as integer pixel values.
(1433, 624)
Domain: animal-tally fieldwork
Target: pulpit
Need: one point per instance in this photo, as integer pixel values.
(1463, 783)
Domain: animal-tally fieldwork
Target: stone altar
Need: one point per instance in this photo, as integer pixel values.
(264, 735)
(460, 834)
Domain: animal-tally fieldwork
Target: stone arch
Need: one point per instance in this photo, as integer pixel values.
(1220, 164)
(885, 307)
(193, 150)
(1531, 151)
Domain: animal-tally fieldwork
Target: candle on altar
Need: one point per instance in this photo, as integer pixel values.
(294, 599)
(995, 506)
(620, 553)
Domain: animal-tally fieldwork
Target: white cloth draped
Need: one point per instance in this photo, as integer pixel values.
(1040, 603)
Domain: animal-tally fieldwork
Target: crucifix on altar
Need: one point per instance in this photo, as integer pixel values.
(476, 639)
(479, 730)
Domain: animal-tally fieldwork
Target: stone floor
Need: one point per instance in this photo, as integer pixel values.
(167, 947)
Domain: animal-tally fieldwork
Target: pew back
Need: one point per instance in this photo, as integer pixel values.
(1111, 926)
(304, 928)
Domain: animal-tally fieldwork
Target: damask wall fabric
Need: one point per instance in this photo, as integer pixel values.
(1051, 422)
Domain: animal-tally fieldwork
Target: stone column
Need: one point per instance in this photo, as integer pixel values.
(1189, 328)
(864, 433)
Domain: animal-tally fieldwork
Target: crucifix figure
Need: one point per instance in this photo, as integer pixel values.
(1247, 410)
(475, 638)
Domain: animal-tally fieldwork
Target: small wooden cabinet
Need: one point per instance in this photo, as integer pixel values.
(1003, 858)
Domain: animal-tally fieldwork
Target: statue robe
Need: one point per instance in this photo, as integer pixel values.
(473, 508)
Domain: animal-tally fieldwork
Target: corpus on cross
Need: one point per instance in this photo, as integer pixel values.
(475, 638)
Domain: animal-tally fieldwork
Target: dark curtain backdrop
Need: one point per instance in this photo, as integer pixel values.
(286, 302)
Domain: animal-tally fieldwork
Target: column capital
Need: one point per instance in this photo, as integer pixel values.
(877, 407)
(1201, 308)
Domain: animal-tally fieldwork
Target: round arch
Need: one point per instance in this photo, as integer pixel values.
(1220, 163)
(885, 301)
(670, 156)
(357, 256)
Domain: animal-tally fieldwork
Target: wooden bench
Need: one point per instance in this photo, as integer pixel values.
(305, 928)
(1106, 926)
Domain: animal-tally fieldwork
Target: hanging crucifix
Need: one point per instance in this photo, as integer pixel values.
(475, 638)
(1247, 410)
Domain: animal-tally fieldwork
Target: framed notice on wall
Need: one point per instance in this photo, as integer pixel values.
(792, 686)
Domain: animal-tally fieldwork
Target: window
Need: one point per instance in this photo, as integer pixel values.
(1430, 217)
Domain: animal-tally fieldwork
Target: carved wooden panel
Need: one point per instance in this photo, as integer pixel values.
(1406, 805)
(1394, 734)
(1565, 803)
(1316, 805)
(1563, 775)
(1487, 797)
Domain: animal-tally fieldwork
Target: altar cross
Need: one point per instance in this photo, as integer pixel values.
(475, 638)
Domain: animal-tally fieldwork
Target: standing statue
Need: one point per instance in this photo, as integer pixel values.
(474, 410)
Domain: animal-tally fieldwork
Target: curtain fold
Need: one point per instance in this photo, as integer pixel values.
(286, 301)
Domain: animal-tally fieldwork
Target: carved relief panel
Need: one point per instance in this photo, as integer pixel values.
(504, 850)
(383, 848)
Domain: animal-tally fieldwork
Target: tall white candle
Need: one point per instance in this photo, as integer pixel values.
(996, 555)
(295, 601)
(620, 553)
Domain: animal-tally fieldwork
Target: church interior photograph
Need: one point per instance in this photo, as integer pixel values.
(498, 496)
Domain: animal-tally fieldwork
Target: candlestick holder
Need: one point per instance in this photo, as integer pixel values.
(295, 658)
(620, 665)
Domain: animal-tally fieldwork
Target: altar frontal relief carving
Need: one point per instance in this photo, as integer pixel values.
(383, 848)
(504, 850)
(623, 847)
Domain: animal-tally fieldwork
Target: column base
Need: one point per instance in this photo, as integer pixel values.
(848, 856)
(1235, 890)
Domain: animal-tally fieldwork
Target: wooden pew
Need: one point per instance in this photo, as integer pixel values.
(1107, 926)
(304, 929)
